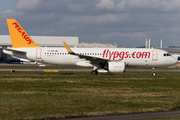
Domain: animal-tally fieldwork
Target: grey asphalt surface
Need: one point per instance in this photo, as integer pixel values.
(137, 116)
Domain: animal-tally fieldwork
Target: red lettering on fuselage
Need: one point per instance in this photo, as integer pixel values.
(124, 54)
(23, 33)
(116, 54)
(110, 54)
(127, 54)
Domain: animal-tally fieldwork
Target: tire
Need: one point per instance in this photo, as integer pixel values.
(94, 72)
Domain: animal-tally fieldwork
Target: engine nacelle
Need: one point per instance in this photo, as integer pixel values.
(116, 67)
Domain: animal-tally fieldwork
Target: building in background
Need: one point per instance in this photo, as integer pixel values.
(96, 45)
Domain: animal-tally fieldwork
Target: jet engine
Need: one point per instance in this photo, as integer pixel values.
(115, 67)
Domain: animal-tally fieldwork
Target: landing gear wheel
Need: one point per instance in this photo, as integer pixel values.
(94, 72)
(153, 72)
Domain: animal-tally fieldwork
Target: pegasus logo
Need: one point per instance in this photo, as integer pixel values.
(23, 33)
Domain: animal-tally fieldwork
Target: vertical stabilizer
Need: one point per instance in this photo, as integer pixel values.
(19, 37)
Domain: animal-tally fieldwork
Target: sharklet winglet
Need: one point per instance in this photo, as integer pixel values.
(67, 48)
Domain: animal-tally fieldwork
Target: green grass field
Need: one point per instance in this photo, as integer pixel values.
(39, 95)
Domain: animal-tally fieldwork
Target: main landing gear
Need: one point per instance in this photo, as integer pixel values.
(94, 71)
(153, 72)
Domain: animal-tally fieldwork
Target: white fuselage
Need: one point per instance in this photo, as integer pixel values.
(131, 56)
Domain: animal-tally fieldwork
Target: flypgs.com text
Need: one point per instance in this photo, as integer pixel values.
(23, 33)
(124, 54)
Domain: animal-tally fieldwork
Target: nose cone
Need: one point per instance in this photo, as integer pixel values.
(174, 61)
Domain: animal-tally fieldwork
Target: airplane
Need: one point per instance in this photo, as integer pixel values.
(113, 60)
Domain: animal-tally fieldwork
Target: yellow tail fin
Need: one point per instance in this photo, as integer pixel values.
(19, 37)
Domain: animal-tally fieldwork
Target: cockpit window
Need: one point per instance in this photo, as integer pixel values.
(167, 54)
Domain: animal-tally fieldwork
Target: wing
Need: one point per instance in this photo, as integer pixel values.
(93, 60)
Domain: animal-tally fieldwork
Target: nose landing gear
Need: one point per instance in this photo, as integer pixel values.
(153, 72)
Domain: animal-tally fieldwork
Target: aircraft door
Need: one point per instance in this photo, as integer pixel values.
(38, 53)
(154, 55)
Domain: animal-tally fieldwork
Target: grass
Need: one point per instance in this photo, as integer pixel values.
(39, 95)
